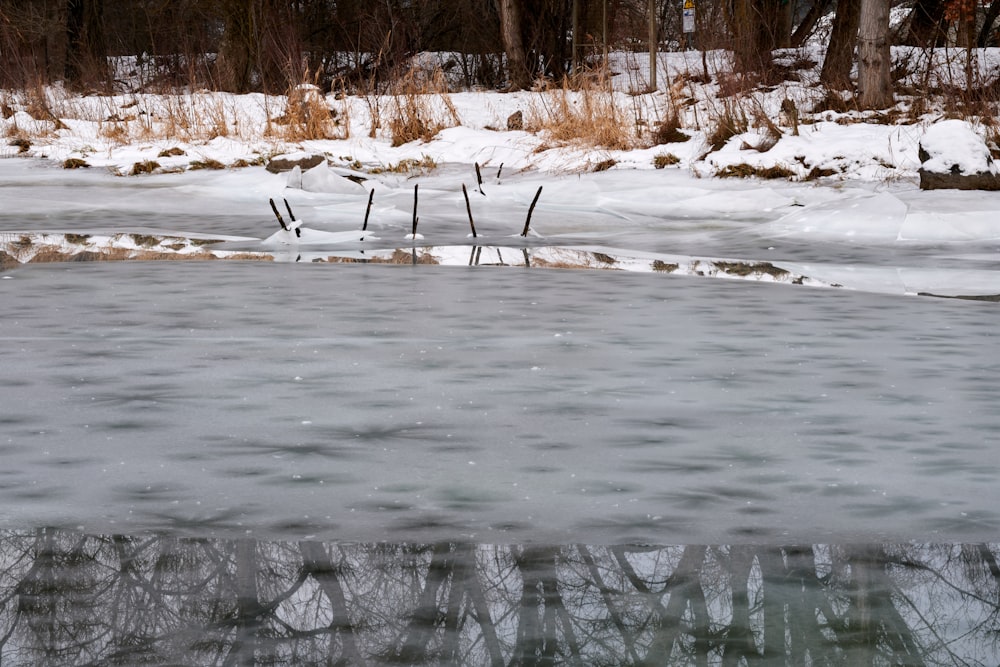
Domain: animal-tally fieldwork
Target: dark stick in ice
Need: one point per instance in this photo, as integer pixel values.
(281, 221)
(479, 179)
(368, 210)
(531, 209)
(468, 209)
(415, 218)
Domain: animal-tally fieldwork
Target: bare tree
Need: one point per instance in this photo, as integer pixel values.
(839, 60)
(511, 33)
(874, 80)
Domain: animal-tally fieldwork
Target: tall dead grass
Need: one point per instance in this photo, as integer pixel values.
(419, 107)
(308, 115)
(587, 113)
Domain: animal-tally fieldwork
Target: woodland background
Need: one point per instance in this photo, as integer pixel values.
(357, 45)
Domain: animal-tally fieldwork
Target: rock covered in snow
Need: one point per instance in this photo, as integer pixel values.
(323, 179)
(282, 163)
(954, 156)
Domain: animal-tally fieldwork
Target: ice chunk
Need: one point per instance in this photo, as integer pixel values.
(877, 217)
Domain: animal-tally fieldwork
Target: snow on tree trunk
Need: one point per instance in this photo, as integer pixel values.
(874, 81)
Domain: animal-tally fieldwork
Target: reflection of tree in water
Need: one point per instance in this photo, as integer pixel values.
(72, 598)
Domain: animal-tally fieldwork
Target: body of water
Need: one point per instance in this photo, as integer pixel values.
(250, 462)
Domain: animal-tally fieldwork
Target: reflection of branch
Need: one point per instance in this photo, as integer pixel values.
(478, 598)
(536, 641)
(930, 627)
(680, 586)
(413, 645)
(317, 564)
(608, 602)
(923, 567)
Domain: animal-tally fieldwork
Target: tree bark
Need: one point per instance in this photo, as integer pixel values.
(874, 79)
(836, 72)
(753, 40)
(511, 33)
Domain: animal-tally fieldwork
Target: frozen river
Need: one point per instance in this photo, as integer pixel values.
(420, 403)
(516, 409)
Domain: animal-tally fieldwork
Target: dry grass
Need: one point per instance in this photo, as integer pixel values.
(664, 267)
(51, 255)
(587, 116)
(309, 116)
(144, 167)
(744, 170)
(419, 108)
(207, 163)
(409, 166)
(665, 160)
(668, 131)
(728, 121)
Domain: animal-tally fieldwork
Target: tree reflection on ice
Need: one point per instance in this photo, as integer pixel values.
(68, 597)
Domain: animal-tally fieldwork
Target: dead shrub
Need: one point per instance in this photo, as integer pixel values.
(741, 170)
(308, 116)
(775, 171)
(144, 167)
(588, 115)
(22, 144)
(408, 166)
(116, 132)
(820, 172)
(669, 131)
(420, 108)
(730, 122)
(665, 160)
(207, 163)
(744, 170)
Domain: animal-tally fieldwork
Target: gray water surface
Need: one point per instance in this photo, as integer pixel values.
(492, 405)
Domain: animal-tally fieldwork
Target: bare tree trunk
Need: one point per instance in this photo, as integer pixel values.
(752, 39)
(808, 24)
(511, 26)
(988, 21)
(839, 59)
(874, 80)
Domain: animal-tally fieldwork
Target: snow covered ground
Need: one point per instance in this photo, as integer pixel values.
(858, 235)
(848, 211)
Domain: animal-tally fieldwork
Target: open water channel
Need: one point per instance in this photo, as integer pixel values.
(247, 462)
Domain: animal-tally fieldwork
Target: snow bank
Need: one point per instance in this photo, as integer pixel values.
(953, 146)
